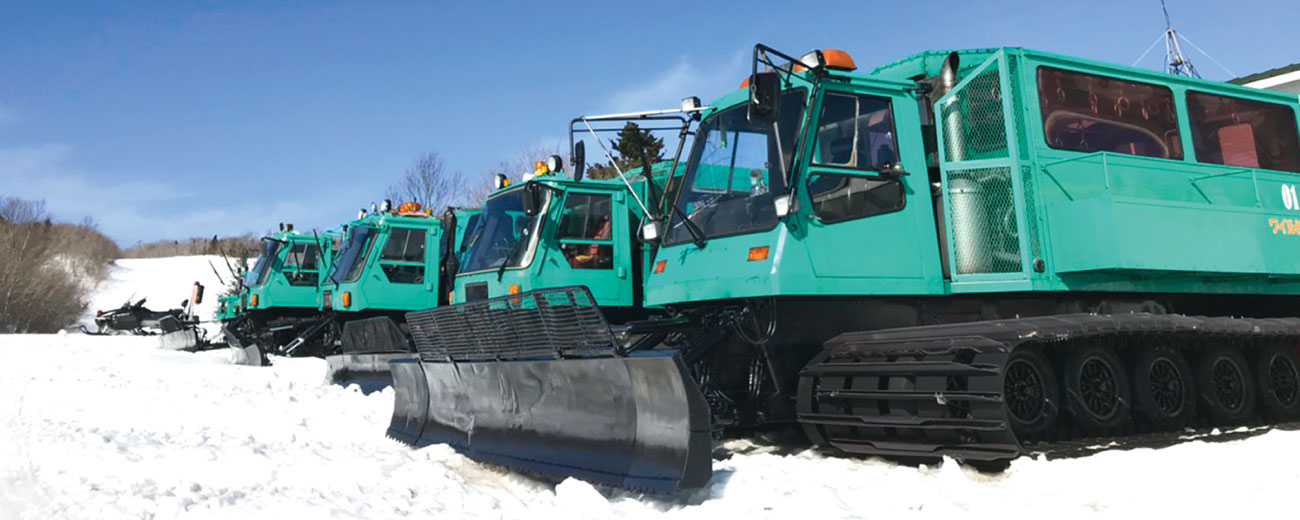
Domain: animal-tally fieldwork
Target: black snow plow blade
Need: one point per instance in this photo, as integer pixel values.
(535, 381)
(367, 348)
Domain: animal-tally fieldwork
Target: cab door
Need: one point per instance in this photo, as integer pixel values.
(403, 262)
(593, 246)
(855, 193)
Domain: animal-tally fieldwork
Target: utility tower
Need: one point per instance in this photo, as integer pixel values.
(1175, 61)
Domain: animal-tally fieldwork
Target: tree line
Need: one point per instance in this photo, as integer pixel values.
(238, 246)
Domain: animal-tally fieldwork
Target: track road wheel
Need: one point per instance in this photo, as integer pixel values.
(1030, 393)
(1164, 390)
(1225, 383)
(1277, 368)
(1096, 389)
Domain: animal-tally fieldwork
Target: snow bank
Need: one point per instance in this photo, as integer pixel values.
(110, 427)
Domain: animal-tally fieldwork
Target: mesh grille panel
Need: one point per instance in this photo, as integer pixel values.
(985, 231)
(1017, 106)
(973, 120)
(1031, 209)
(546, 324)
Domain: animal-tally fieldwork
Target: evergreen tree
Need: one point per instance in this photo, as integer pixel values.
(634, 147)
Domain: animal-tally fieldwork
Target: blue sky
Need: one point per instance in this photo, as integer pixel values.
(171, 119)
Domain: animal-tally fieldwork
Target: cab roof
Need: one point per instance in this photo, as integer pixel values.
(928, 63)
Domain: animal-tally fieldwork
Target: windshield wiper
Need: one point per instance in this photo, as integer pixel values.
(501, 271)
(697, 234)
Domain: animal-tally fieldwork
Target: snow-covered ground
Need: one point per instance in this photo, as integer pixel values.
(110, 427)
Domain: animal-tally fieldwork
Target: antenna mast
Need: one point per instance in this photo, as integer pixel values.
(1175, 61)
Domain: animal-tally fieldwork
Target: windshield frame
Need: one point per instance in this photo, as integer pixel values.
(692, 165)
(265, 261)
(345, 247)
(473, 235)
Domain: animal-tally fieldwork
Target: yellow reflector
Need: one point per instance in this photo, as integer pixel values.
(451, 295)
(757, 253)
(252, 301)
(514, 288)
(347, 299)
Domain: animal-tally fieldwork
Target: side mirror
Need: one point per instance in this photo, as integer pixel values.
(533, 197)
(650, 230)
(579, 160)
(785, 205)
(764, 96)
(448, 221)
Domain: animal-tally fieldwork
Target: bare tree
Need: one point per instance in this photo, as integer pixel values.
(514, 168)
(47, 267)
(477, 190)
(427, 182)
(523, 161)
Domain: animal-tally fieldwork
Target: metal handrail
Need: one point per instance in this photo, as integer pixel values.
(1254, 181)
(1105, 168)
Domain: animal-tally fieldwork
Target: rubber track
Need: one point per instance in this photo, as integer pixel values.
(936, 390)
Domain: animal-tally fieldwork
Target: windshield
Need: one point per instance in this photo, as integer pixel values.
(502, 233)
(352, 255)
(734, 171)
(257, 275)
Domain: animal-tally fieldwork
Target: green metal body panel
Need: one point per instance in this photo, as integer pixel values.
(372, 291)
(1072, 221)
(228, 307)
(278, 291)
(545, 264)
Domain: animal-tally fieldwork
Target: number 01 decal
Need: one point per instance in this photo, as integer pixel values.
(1289, 198)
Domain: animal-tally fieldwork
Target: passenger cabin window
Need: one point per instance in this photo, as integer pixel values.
(403, 256)
(302, 267)
(854, 132)
(1242, 132)
(1091, 113)
(584, 232)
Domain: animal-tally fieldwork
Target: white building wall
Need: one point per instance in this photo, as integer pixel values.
(1289, 82)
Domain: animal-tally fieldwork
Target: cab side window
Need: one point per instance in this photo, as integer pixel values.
(585, 233)
(402, 258)
(302, 266)
(854, 132)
